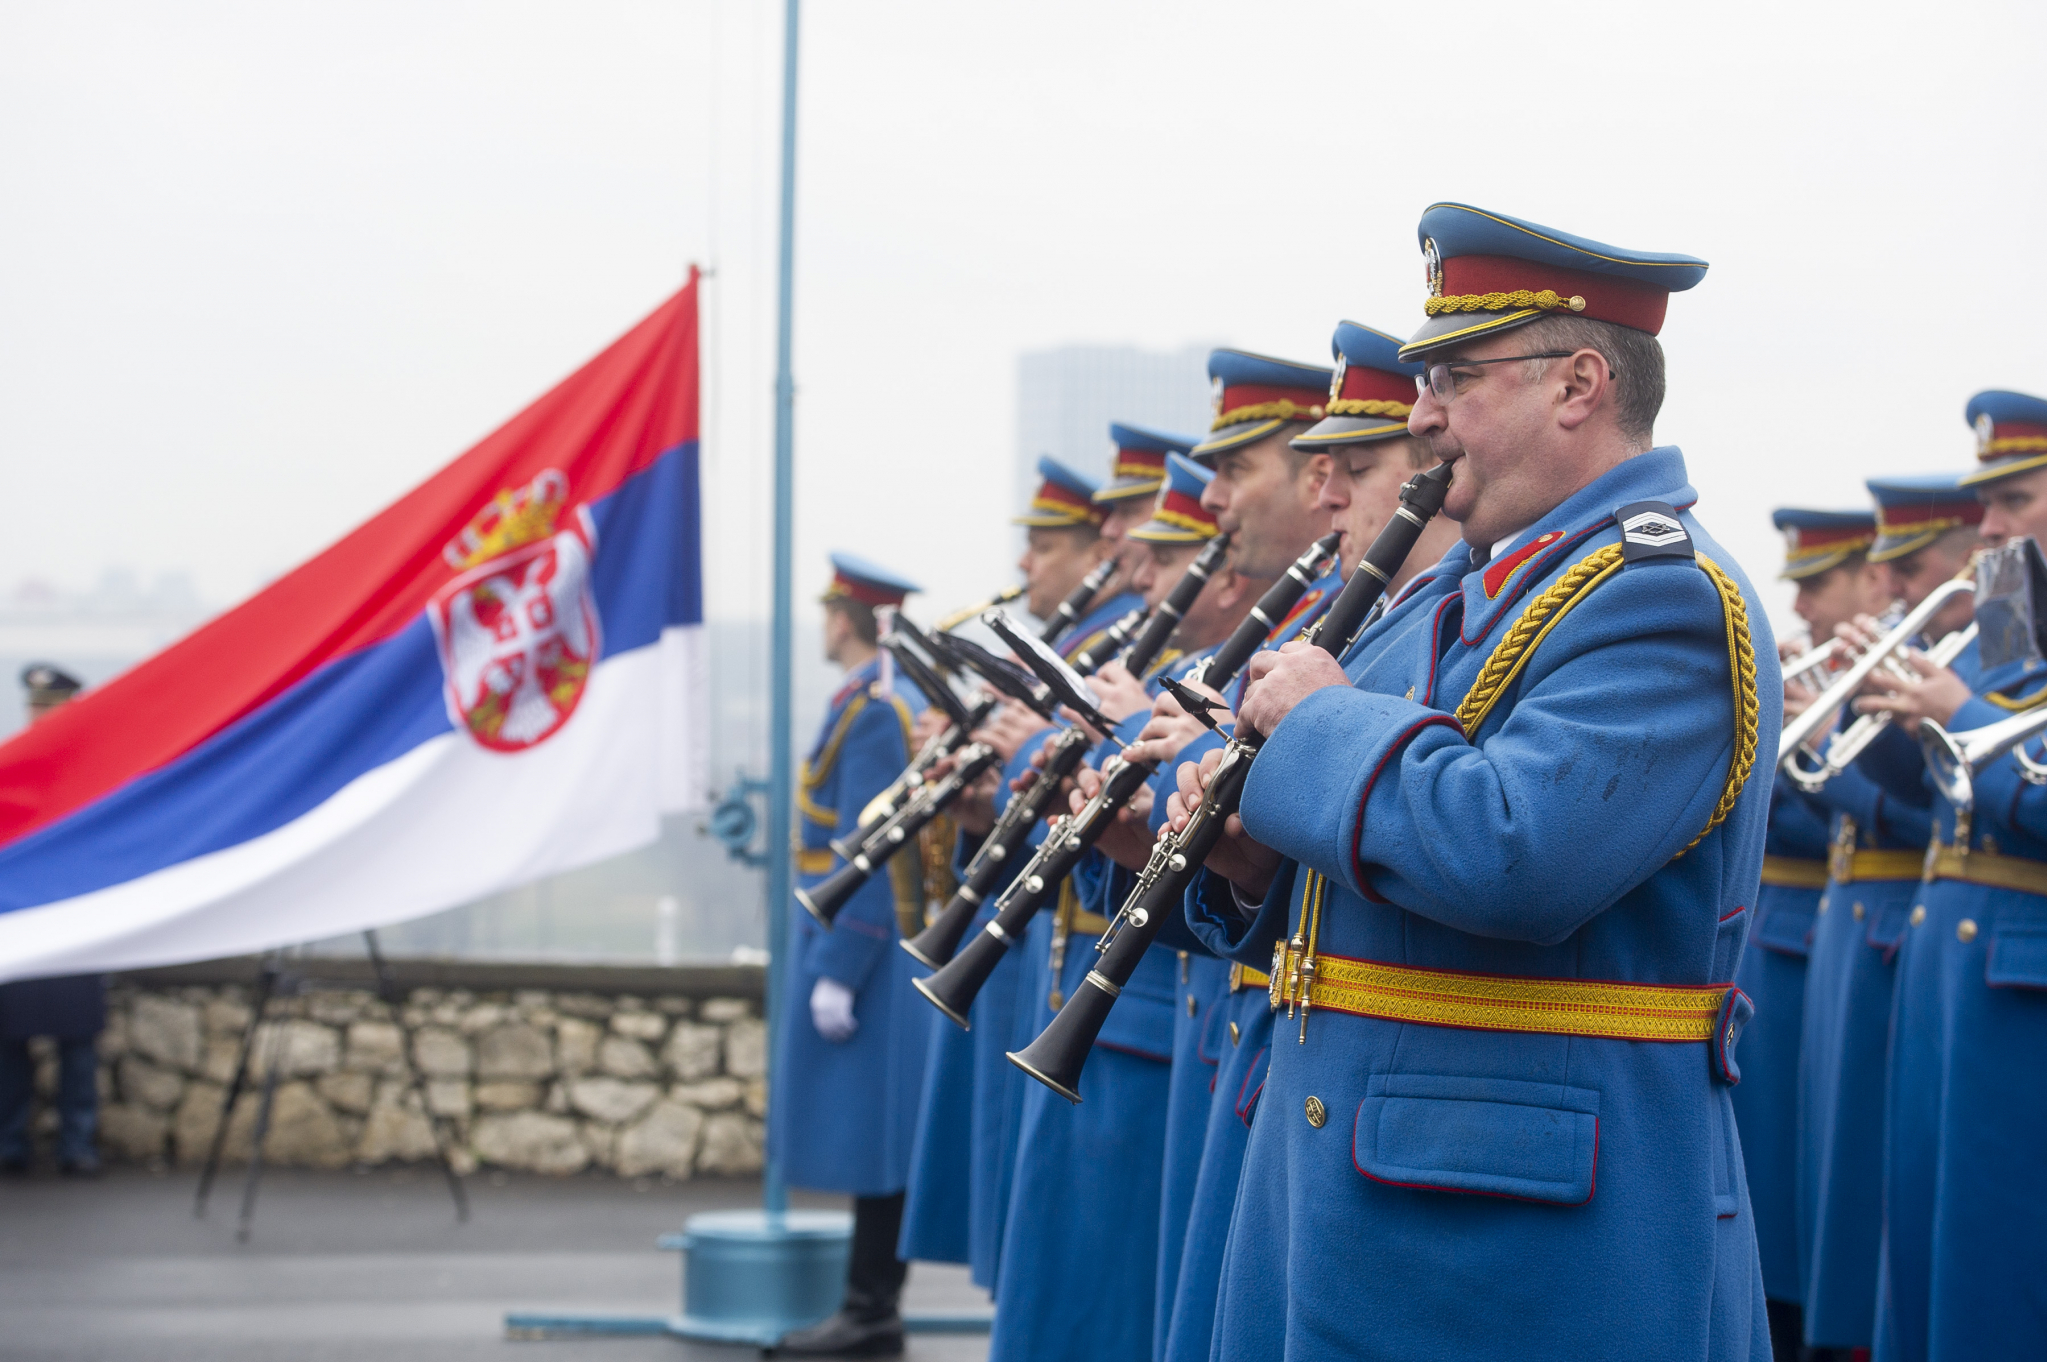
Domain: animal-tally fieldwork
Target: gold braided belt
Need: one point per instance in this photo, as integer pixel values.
(1849, 866)
(1944, 862)
(1243, 977)
(815, 860)
(1497, 1002)
(1794, 872)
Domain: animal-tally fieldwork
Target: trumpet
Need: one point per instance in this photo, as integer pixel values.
(1956, 758)
(1811, 668)
(959, 617)
(1851, 741)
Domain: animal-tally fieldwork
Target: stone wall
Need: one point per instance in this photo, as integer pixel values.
(548, 1080)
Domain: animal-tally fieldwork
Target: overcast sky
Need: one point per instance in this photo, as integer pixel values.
(264, 267)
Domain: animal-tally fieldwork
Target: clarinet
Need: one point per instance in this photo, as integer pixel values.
(871, 846)
(964, 721)
(1090, 659)
(1074, 606)
(935, 945)
(1057, 1056)
(952, 990)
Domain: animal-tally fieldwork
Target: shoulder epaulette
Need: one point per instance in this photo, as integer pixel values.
(1651, 530)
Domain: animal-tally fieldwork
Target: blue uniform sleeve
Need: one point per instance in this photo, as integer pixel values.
(871, 756)
(1893, 762)
(1621, 736)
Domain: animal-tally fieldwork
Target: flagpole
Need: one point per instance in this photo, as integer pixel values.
(781, 753)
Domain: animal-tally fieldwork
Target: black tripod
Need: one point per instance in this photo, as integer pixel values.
(278, 980)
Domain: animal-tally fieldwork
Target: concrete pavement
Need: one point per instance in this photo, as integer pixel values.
(363, 1267)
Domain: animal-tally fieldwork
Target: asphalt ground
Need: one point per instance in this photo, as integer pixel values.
(370, 1266)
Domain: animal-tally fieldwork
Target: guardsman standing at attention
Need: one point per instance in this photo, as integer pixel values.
(1365, 436)
(845, 1087)
(1516, 847)
(1826, 557)
(1882, 816)
(72, 1010)
(1965, 1198)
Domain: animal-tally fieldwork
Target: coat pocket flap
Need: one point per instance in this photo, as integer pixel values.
(2018, 957)
(1492, 1136)
(1784, 930)
(1887, 924)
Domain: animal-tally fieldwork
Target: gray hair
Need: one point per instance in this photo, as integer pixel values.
(1634, 357)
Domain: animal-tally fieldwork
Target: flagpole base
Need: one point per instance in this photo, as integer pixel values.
(747, 1277)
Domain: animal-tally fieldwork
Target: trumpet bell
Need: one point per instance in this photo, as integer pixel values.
(1947, 760)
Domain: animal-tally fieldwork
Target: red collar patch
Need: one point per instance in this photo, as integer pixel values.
(1496, 576)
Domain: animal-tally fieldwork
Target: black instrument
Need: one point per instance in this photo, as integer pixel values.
(1075, 605)
(965, 719)
(1090, 659)
(1063, 755)
(1057, 1056)
(952, 989)
(872, 846)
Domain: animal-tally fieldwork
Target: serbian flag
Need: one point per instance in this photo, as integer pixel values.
(498, 677)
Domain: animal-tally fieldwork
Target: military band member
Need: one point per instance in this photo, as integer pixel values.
(1365, 435)
(1065, 542)
(846, 1078)
(1515, 847)
(1264, 491)
(939, 1219)
(1137, 470)
(1827, 558)
(1966, 1186)
(1079, 1262)
(1881, 818)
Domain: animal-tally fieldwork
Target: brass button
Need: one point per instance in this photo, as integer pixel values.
(1317, 1113)
(1858, 912)
(1233, 1033)
(1410, 696)
(1918, 914)
(1190, 1004)
(1965, 930)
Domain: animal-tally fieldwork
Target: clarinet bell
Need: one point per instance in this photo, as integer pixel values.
(1060, 1052)
(953, 988)
(825, 898)
(935, 945)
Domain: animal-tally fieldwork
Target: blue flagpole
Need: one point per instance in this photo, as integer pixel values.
(781, 753)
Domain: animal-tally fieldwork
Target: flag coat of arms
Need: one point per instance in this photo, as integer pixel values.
(498, 677)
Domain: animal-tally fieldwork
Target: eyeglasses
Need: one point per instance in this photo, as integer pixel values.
(1437, 378)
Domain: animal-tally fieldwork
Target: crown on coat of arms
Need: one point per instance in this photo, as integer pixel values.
(512, 519)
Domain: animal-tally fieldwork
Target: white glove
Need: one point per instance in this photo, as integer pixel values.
(831, 1010)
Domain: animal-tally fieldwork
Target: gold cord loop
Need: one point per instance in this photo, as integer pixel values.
(1547, 300)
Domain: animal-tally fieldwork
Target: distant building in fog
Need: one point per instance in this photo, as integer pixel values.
(1065, 399)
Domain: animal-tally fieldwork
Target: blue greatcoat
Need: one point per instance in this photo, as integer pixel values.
(841, 1117)
(1772, 974)
(1079, 1260)
(1239, 1035)
(1965, 1177)
(1879, 841)
(966, 1138)
(1508, 1193)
